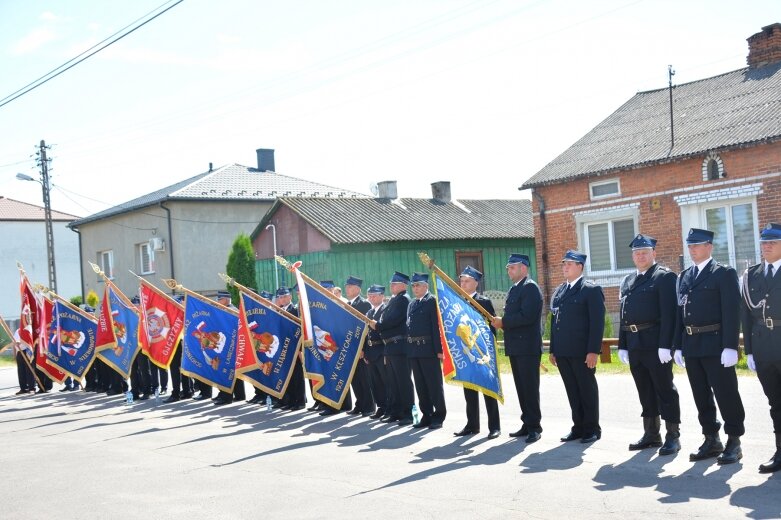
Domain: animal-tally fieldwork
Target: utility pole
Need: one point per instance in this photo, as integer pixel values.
(670, 74)
(43, 162)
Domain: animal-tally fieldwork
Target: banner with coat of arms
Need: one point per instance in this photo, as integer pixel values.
(118, 328)
(162, 322)
(209, 342)
(71, 339)
(45, 315)
(268, 344)
(6, 336)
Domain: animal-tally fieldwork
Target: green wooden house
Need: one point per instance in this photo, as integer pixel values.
(373, 237)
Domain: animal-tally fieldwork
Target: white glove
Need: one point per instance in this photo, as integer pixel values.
(623, 355)
(664, 355)
(729, 357)
(750, 362)
(678, 356)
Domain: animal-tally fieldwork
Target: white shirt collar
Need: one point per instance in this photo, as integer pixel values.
(776, 266)
(572, 284)
(702, 265)
(642, 273)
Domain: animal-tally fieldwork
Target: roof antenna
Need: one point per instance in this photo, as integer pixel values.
(670, 74)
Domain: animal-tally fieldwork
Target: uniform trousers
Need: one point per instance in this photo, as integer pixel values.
(26, 378)
(709, 378)
(580, 382)
(378, 380)
(655, 387)
(473, 410)
(178, 381)
(769, 374)
(361, 385)
(526, 374)
(401, 386)
(428, 385)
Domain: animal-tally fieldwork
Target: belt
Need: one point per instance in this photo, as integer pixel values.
(394, 339)
(637, 327)
(375, 343)
(419, 340)
(770, 323)
(699, 330)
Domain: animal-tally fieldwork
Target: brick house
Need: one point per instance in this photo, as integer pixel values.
(722, 172)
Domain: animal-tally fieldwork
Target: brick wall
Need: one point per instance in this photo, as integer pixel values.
(654, 192)
(765, 46)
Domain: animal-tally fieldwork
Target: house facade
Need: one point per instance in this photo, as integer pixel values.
(373, 237)
(186, 230)
(716, 164)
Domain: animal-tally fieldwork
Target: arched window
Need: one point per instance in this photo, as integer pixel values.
(713, 167)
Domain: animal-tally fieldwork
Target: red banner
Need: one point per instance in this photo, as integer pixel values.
(106, 336)
(28, 316)
(162, 321)
(41, 361)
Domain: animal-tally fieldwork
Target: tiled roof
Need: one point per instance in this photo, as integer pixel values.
(731, 110)
(365, 220)
(231, 182)
(11, 209)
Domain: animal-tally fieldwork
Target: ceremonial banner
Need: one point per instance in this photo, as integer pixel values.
(71, 339)
(6, 336)
(118, 328)
(28, 315)
(209, 343)
(269, 341)
(45, 313)
(470, 350)
(162, 322)
(333, 335)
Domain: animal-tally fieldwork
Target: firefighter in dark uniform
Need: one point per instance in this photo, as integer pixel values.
(295, 394)
(468, 280)
(374, 353)
(364, 403)
(392, 326)
(577, 326)
(707, 332)
(761, 319)
(260, 396)
(645, 340)
(424, 350)
(522, 325)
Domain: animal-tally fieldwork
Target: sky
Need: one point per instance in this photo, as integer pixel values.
(481, 93)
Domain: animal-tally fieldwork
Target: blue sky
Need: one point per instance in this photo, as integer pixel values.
(482, 93)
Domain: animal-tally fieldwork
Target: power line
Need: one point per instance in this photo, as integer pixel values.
(75, 60)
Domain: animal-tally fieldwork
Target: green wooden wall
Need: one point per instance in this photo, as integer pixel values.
(376, 262)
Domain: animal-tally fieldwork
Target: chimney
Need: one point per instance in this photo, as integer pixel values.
(265, 159)
(765, 46)
(387, 190)
(440, 191)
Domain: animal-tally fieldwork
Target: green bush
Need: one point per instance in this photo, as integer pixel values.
(241, 265)
(606, 333)
(76, 300)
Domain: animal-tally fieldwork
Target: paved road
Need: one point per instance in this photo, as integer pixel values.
(81, 455)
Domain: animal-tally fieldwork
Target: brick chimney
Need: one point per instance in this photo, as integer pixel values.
(387, 190)
(765, 46)
(440, 191)
(265, 159)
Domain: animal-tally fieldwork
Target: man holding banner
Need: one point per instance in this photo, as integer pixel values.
(374, 353)
(364, 403)
(468, 280)
(424, 350)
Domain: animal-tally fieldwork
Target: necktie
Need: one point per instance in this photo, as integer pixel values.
(770, 273)
(696, 271)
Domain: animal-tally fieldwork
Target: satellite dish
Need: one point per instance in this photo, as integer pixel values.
(373, 189)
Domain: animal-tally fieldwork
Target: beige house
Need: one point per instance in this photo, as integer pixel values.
(185, 231)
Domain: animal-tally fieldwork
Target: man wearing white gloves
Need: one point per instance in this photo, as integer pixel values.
(645, 341)
(761, 317)
(707, 330)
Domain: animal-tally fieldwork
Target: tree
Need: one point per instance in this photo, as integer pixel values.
(241, 265)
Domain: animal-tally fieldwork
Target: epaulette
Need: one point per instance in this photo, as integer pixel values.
(664, 268)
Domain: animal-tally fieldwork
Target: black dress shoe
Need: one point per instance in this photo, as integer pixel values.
(65, 389)
(220, 401)
(466, 431)
(493, 434)
(22, 392)
(143, 397)
(367, 413)
(278, 405)
(389, 418)
(571, 436)
(533, 437)
(329, 411)
(732, 452)
(524, 431)
(255, 399)
(590, 437)
(200, 397)
(314, 407)
(771, 466)
(354, 411)
(405, 422)
(424, 422)
(378, 414)
(186, 395)
(172, 399)
(711, 447)
(435, 425)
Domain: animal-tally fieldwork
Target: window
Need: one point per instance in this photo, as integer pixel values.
(106, 261)
(604, 189)
(607, 245)
(473, 258)
(145, 258)
(734, 227)
(713, 167)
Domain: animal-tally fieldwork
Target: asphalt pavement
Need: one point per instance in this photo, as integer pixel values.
(78, 454)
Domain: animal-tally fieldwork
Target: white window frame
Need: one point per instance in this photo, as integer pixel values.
(728, 204)
(613, 276)
(109, 253)
(150, 255)
(591, 186)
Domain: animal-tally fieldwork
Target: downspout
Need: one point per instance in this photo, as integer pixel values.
(81, 263)
(170, 242)
(544, 243)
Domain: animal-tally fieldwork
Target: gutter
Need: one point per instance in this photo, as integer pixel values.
(544, 243)
(81, 263)
(170, 241)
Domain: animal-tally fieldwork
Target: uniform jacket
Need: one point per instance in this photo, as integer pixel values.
(758, 339)
(649, 298)
(423, 321)
(292, 309)
(522, 320)
(361, 304)
(486, 304)
(394, 323)
(713, 297)
(578, 321)
(374, 353)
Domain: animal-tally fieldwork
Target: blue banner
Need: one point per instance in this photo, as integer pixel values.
(336, 343)
(470, 343)
(269, 341)
(71, 340)
(209, 343)
(124, 318)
